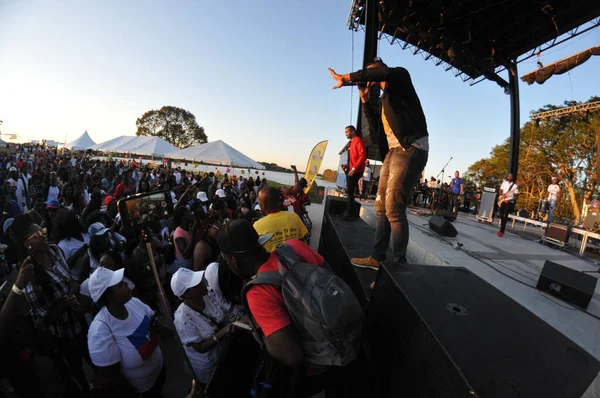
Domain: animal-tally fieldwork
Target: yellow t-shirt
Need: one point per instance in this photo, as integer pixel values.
(284, 225)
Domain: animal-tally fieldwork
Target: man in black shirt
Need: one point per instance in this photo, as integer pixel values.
(397, 122)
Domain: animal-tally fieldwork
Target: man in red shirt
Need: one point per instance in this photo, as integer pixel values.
(242, 248)
(125, 188)
(355, 168)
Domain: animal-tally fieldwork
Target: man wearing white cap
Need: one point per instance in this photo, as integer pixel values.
(220, 193)
(553, 195)
(203, 321)
(201, 196)
(121, 344)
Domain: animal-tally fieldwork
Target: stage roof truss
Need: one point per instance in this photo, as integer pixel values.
(568, 110)
(436, 31)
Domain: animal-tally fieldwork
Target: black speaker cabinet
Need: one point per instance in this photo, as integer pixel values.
(567, 284)
(447, 214)
(558, 232)
(442, 227)
(440, 332)
(336, 205)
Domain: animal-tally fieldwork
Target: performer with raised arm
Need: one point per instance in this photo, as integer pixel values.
(398, 125)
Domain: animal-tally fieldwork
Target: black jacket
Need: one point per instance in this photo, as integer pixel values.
(402, 106)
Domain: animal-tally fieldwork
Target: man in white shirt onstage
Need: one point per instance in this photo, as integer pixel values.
(366, 180)
(553, 195)
(509, 191)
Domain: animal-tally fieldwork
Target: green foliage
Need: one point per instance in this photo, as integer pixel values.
(175, 125)
(565, 148)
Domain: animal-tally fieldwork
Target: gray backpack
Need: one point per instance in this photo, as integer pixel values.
(321, 305)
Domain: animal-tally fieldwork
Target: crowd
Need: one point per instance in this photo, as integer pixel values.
(230, 258)
(81, 313)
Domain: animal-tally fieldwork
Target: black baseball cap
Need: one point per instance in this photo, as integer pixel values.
(302, 182)
(239, 236)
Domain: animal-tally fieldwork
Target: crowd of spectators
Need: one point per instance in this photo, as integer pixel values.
(80, 308)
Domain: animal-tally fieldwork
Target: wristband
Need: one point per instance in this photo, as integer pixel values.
(17, 290)
(215, 339)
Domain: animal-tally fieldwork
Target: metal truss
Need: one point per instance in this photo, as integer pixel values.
(568, 110)
(357, 13)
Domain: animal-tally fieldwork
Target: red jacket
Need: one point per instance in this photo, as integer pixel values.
(357, 156)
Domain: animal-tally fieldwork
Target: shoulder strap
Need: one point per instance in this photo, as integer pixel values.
(286, 257)
(261, 278)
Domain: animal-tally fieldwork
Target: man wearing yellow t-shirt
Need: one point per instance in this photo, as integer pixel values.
(284, 225)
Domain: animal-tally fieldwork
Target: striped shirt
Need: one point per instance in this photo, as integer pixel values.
(66, 325)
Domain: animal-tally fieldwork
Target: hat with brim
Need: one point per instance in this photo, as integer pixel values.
(220, 193)
(202, 196)
(185, 279)
(97, 229)
(102, 279)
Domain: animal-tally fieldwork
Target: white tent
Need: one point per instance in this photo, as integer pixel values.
(115, 145)
(82, 143)
(150, 146)
(216, 152)
(147, 146)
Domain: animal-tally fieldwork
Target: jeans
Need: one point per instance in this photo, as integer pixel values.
(455, 204)
(365, 189)
(351, 184)
(505, 210)
(551, 206)
(400, 172)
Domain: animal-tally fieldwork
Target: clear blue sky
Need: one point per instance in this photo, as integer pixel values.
(253, 72)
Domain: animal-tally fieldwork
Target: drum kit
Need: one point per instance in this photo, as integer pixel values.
(541, 214)
(591, 222)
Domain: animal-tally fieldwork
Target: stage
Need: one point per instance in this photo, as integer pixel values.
(512, 264)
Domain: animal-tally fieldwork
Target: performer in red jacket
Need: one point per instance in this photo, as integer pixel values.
(354, 169)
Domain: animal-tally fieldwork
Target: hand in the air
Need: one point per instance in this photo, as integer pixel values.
(26, 274)
(339, 81)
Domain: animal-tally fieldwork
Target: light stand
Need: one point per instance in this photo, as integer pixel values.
(439, 188)
(165, 302)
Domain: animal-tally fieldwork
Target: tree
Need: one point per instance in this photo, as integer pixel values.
(175, 125)
(565, 148)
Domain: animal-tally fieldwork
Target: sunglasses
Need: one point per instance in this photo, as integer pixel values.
(38, 234)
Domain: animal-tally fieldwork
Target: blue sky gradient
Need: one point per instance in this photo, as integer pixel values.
(254, 74)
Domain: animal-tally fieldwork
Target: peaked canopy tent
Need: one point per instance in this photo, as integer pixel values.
(476, 39)
(147, 146)
(216, 152)
(82, 143)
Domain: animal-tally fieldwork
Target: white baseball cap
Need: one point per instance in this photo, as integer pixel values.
(13, 168)
(220, 193)
(202, 196)
(185, 279)
(102, 279)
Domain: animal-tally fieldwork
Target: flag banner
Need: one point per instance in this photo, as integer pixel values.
(314, 163)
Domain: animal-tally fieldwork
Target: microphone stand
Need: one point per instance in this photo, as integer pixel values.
(439, 188)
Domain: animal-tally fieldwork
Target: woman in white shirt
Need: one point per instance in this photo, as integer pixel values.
(203, 320)
(71, 239)
(120, 340)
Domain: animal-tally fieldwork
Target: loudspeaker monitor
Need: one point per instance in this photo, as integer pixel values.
(443, 332)
(558, 232)
(442, 227)
(447, 214)
(567, 284)
(336, 205)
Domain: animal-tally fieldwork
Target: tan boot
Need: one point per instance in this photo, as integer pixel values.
(366, 262)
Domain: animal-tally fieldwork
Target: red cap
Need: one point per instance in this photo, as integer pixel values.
(108, 199)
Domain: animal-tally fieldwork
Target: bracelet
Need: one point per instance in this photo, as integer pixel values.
(17, 290)
(215, 339)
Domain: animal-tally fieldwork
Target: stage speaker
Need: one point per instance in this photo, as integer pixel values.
(441, 332)
(442, 227)
(567, 284)
(447, 214)
(336, 205)
(558, 232)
